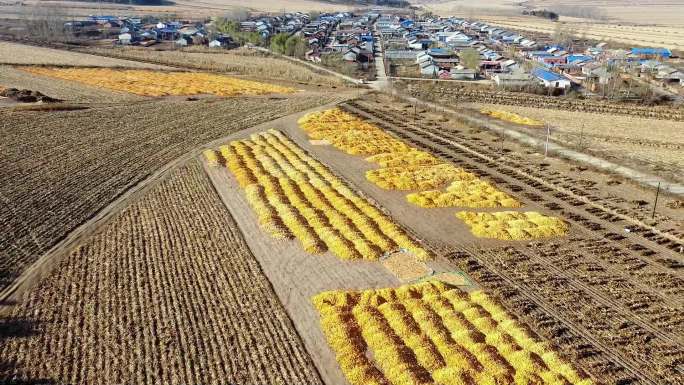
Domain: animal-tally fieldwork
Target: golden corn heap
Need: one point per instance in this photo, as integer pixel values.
(433, 333)
(401, 167)
(464, 193)
(512, 117)
(512, 225)
(406, 168)
(157, 83)
(211, 157)
(295, 195)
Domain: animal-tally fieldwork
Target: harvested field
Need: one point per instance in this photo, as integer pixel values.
(646, 35)
(167, 292)
(55, 179)
(653, 145)
(240, 61)
(434, 332)
(449, 93)
(21, 54)
(609, 299)
(511, 225)
(157, 83)
(649, 12)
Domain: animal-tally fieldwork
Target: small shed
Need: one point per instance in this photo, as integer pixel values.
(513, 80)
(184, 41)
(463, 74)
(125, 38)
(428, 69)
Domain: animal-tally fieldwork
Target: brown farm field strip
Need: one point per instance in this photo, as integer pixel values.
(54, 180)
(670, 37)
(21, 54)
(241, 61)
(601, 280)
(166, 292)
(653, 145)
(157, 83)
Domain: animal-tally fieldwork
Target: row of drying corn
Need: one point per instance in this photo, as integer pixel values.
(401, 166)
(512, 117)
(295, 195)
(405, 168)
(432, 333)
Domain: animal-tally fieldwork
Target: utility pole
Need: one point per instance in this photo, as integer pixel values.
(655, 203)
(546, 145)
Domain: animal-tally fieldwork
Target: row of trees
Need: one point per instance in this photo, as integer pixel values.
(290, 45)
(283, 43)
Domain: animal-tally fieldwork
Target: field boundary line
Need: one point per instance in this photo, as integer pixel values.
(31, 276)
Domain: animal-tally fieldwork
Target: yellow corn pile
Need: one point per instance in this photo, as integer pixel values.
(473, 193)
(416, 177)
(211, 157)
(406, 168)
(431, 333)
(157, 83)
(401, 166)
(512, 225)
(512, 117)
(295, 195)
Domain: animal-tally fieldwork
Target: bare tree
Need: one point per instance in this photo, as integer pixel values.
(470, 58)
(45, 23)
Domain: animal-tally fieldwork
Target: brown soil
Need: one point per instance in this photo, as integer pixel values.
(166, 292)
(83, 160)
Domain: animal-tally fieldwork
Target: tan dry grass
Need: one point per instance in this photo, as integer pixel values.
(661, 36)
(14, 53)
(452, 279)
(239, 61)
(405, 267)
(660, 142)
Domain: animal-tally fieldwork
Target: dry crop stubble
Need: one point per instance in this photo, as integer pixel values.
(167, 292)
(240, 61)
(21, 54)
(58, 179)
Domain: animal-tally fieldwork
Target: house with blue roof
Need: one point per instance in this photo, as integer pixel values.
(551, 79)
(652, 53)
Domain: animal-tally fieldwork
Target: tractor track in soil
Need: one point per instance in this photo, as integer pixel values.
(585, 210)
(452, 147)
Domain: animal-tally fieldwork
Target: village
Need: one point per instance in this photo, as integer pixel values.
(341, 192)
(421, 47)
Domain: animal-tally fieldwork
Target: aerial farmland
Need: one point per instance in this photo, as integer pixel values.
(230, 210)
